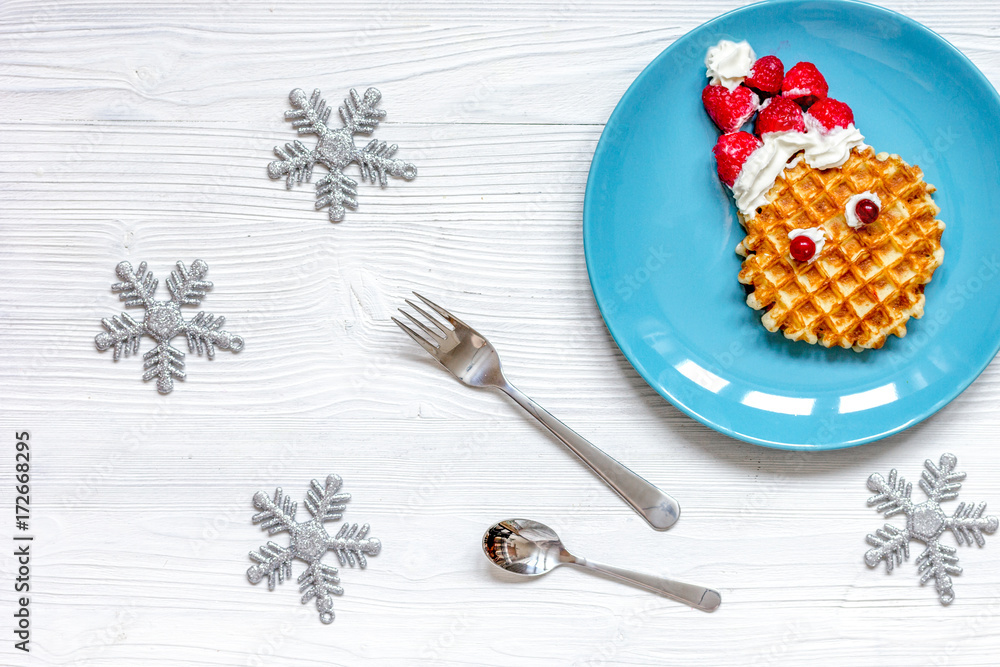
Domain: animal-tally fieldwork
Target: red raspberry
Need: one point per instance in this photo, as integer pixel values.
(766, 75)
(729, 110)
(804, 84)
(831, 113)
(780, 114)
(731, 151)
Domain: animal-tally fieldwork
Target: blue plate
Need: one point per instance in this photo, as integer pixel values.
(659, 231)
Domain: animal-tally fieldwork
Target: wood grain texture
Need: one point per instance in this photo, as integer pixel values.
(141, 131)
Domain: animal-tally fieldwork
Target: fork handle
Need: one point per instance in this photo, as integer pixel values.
(659, 509)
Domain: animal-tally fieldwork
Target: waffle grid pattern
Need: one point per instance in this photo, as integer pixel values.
(866, 283)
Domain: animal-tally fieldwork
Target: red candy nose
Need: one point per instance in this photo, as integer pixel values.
(802, 248)
(866, 210)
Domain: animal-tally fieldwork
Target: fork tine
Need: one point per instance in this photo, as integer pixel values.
(433, 351)
(436, 321)
(444, 313)
(435, 335)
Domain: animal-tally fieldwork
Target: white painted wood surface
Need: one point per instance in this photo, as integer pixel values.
(141, 131)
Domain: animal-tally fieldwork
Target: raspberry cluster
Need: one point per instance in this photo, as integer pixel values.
(781, 101)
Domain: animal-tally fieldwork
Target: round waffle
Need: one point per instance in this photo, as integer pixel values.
(865, 283)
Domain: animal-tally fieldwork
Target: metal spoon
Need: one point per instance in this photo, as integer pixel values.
(530, 548)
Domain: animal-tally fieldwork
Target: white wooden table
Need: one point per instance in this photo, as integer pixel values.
(141, 131)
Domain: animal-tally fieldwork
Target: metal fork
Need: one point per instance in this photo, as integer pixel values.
(475, 362)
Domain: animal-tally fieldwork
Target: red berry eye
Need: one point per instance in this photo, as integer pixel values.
(802, 248)
(866, 210)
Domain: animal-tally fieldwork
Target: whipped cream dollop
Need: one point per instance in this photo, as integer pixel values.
(729, 63)
(850, 208)
(818, 236)
(820, 148)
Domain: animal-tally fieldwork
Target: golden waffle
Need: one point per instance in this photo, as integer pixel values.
(866, 283)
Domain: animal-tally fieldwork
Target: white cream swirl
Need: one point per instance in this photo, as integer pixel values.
(821, 149)
(729, 63)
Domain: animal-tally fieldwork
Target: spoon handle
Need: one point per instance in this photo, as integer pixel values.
(657, 507)
(698, 597)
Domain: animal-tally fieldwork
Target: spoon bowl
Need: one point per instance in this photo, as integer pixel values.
(524, 547)
(530, 548)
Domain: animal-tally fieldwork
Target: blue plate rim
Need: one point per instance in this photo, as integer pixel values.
(643, 372)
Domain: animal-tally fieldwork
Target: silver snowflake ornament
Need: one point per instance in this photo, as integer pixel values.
(164, 320)
(309, 541)
(927, 523)
(335, 149)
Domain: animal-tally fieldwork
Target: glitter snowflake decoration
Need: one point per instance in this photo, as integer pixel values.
(926, 522)
(309, 542)
(335, 149)
(164, 320)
